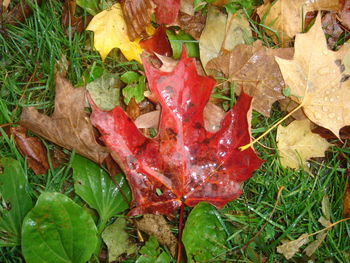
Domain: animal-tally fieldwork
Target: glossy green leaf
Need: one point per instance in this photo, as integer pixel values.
(117, 240)
(135, 91)
(152, 253)
(15, 202)
(130, 77)
(204, 237)
(177, 41)
(57, 230)
(91, 6)
(105, 91)
(97, 189)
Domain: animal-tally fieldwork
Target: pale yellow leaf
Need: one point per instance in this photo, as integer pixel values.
(316, 81)
(312, 247)
(289, 248)
(296, 144)
(286, 16)
(6, 3)
(110, 32)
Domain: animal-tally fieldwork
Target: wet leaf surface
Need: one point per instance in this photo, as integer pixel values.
(185, 162)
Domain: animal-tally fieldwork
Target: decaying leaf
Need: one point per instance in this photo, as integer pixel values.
(222, 32)
(289, 248)
(255, 71)
(192, 24)
(110, 31)
(184, 163)
(105, 91)
(32, 149)
(68, 19)
(296, 144)
(20, 12)
(186, 6)
(285, 17)
(315, 80)
(117, 240)
(157, 226)
(344, 13)
(312, 247)
(137, 14)
(346, 198)
(289, 105)
(69, 126)
(332, 28)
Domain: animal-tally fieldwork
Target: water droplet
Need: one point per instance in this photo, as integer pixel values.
(323, 71)
(331, 115)
(338, 118)
(328, 92)
(326, 98)
(325, 108)
(318, 116)
(331, 99)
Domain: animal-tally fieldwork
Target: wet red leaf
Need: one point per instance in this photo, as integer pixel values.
(167, 11)
(158, 43)
(184, 163)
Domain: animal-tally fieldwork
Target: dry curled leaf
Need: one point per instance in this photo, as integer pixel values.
(69, 125)
(296, 144)
(68, 19)
(255, 71)
(32, 149)
(137, 14)
(157, 226)
(289, 248)
(316, 81)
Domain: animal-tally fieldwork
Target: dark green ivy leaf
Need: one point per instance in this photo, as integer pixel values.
(16, 202)
(203, 236)
(57, 230)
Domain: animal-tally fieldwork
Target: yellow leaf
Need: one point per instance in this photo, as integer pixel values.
(315, 79)
(110, 32)
(296, 144)
(286, 16)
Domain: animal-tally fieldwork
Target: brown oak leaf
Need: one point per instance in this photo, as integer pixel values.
(69, 126)
(255, 71)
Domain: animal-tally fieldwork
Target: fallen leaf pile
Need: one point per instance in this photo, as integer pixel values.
(177, 118)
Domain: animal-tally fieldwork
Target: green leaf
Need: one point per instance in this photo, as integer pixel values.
(117, 240)
(204, 237)
(135, 91)
(97, 189)
(177, 41)
(105, 91)
(90, 74)
(91, 6)
(130, 77)
(57, 230)
(15, 202)
(152, 253)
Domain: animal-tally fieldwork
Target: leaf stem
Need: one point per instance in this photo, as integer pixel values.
(179, 242)
(245, 147)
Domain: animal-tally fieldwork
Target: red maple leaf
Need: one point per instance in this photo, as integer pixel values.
(184, 163)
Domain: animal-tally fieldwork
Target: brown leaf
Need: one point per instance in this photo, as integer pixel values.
(289, 248)
(157, 226)
(344, 13)
(192, 24)
(288, 105)
(77, 24)
(186, 6)
(346, 198)
(19, 13)
(133, 109)
(327, 134)
(137, 15)
(32, 149)
(332, 28)
(255, 71)
(69, 126)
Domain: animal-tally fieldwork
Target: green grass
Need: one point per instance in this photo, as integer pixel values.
(27, 58)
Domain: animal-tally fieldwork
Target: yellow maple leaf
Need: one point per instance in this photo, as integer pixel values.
(286, 16)
(110, 32)
(296, 144)
(316, 80)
